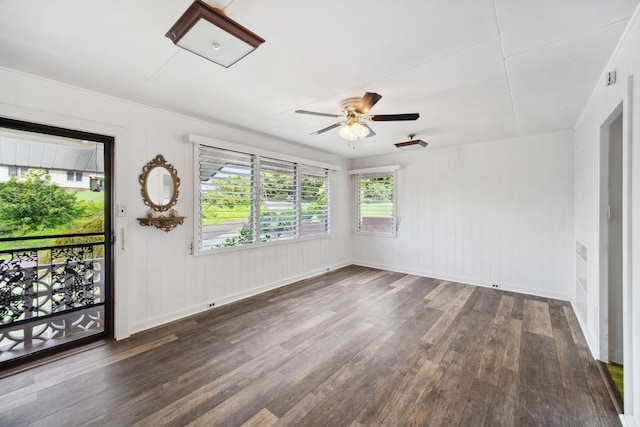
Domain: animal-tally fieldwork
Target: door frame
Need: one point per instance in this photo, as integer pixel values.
(109, 143)
(604, 204)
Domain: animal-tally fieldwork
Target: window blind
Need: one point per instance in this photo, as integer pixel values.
(314, 185)
(278, 200)
(226, 198)
(247, 199)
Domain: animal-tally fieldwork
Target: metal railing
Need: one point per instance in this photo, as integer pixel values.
(53, 292)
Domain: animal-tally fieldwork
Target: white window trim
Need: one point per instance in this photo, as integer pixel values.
(216, 143)
(390, 168)
(381, 169)
(198, 140)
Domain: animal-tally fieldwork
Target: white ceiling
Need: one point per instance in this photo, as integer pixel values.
(474, 70)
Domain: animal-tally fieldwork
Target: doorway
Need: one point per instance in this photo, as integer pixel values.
(55, 240)
(612, 252)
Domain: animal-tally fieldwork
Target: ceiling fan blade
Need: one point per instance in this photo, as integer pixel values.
(393, 117)
(313, 113)
(371, 132)
(368, 100)
(333, 126)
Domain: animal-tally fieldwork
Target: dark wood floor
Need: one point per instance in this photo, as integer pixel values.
(356, 346)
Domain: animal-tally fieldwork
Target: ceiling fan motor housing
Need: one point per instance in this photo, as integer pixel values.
(349, 105)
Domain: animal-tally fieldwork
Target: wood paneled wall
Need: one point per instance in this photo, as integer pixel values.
(489, 213)
(589, 211)
(157, 279)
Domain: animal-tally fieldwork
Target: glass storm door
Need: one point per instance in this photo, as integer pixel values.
(55, 250)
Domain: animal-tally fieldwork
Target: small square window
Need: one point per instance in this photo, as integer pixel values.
(78, 176)
(70, 175)
(13, 171)
(376, 203)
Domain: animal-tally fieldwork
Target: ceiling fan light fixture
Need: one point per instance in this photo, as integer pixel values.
(353, 131)
(359, 130)
(346, 133)
(204, 29)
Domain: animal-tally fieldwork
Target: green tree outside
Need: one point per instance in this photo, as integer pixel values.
(34, 204)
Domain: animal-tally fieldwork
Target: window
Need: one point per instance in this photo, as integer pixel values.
(70, 175)
(13, 171)
(226, 198)
(247, 199)
(376, 203)
(315, 201)
(79, 176)
(23, 171)
(278, 200)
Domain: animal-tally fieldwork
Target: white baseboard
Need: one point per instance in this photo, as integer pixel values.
(467, 281)
(585, 331)
(629, 420)
(195, 309)
(255, 291)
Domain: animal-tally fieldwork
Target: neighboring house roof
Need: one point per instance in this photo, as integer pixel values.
(35, 154)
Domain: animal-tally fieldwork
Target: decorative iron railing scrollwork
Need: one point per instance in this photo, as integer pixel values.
(72, 280)
(50, 293)
(17, 275)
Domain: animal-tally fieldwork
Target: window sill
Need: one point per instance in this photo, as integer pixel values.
(260, 245)
(370, 233)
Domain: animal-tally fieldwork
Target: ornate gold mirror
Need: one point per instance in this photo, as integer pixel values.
(160, 182)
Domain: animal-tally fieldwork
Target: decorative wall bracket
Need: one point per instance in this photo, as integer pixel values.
(164, 223)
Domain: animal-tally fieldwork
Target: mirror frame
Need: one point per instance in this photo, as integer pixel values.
(159, 162)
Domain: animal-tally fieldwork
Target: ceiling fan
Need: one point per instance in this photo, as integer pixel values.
(353, 118)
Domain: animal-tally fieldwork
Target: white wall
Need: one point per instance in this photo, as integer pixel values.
(156, 279)
(489, 213)
(588, 212)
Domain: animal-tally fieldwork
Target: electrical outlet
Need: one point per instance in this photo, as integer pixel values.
(495, 285)
(212, 304)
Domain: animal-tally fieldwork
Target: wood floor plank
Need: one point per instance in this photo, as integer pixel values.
(475, 328)
(125, 407)
(518, 307)
(441, 286)
(503, 316)
(541, 398)
(352, 347)
(394, 399)
(440, 347)
(449, 397)
(264, 418)
(450, 310)
(492, 356)
(406, 403)
(299, 411)
(511, 357)
(238, 409)
(536, 318)
(558, 317)
(475, 411)
(502, 407)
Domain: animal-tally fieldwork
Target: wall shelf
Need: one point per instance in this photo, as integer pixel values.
(165, 223)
